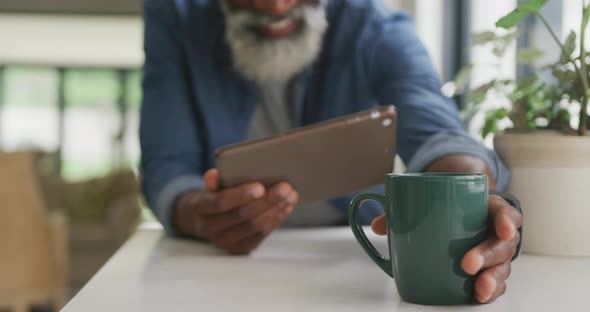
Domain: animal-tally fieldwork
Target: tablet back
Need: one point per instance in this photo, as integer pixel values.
(321, 161)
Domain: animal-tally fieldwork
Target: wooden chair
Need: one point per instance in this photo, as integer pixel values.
(33, 248)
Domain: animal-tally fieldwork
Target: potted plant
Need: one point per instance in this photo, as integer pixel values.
(541, 134)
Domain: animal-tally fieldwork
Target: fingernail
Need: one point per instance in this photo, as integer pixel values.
(512, 231)
(478, 263)
(489, 295)
(257, 192)
(283, 192)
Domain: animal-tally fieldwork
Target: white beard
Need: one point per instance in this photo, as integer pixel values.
(280, 59)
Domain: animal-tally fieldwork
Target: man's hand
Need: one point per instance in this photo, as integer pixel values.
(492, 257)
(235, 219)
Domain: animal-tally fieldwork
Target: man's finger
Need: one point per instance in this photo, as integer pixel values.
(235, 197)
(281, 192)
(489, 253)
(199, 199)
(247, 245)
(263, 224)
(379, 225)
(506, 218)
(500, 290)
(215, 223)
(256, 207)
(488, 285)
(211, 179)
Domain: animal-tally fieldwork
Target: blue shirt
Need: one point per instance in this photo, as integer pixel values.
(195, 102)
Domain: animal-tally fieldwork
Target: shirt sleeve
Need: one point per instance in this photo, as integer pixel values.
(169, 135)
(457, 142)
(429, 127)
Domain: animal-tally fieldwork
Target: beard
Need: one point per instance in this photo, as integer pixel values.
(274, 59)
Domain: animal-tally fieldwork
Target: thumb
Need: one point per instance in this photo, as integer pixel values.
(211, 179)
(379, 225)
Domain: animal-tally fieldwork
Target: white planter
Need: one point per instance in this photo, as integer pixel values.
(551, 177)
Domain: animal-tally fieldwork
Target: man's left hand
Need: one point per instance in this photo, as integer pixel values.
(493, 256)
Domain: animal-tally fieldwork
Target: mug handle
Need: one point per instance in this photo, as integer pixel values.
(357, 230)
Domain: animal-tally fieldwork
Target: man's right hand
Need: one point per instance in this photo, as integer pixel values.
(235, 219)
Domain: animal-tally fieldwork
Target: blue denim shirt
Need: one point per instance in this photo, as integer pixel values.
(195, 102)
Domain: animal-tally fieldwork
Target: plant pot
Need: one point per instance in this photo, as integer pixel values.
(551, 177)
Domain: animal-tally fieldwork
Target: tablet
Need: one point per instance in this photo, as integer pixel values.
(321, 161)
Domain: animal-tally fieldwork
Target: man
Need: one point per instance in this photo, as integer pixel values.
(222, 71)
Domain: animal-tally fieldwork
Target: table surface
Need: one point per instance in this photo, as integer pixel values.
(298, 270)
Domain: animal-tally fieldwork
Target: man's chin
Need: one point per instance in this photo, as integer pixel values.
(279, 53)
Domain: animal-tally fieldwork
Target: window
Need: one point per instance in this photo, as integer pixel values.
(30, 118)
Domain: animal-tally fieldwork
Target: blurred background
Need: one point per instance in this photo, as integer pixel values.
(70, 75)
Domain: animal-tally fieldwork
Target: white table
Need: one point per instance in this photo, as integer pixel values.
(298, 270)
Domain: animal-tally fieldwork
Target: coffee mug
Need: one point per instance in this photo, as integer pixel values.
(433, 220)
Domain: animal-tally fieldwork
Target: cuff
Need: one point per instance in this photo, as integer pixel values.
(168, 196)
(456, 142)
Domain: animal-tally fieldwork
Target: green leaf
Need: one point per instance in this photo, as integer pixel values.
(501, 45)
(483, 37)
(525, 88)
(484, 88)
(537, 104)
(501, 113)
(518, 14)
(491, 124)
(513, 18)
(499, 50)
(569, 47)
(492, 117)
(564, 75)
(532, 124)
(507, 38)
(462, 77)
(534, 5)
(476, 98)
(528, 55)
(564, 116)
(586, 17)
(478, 95)
(490, 127)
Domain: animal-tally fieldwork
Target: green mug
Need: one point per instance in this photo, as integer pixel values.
(433, 220)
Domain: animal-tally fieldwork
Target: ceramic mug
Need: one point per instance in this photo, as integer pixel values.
(433, 220)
